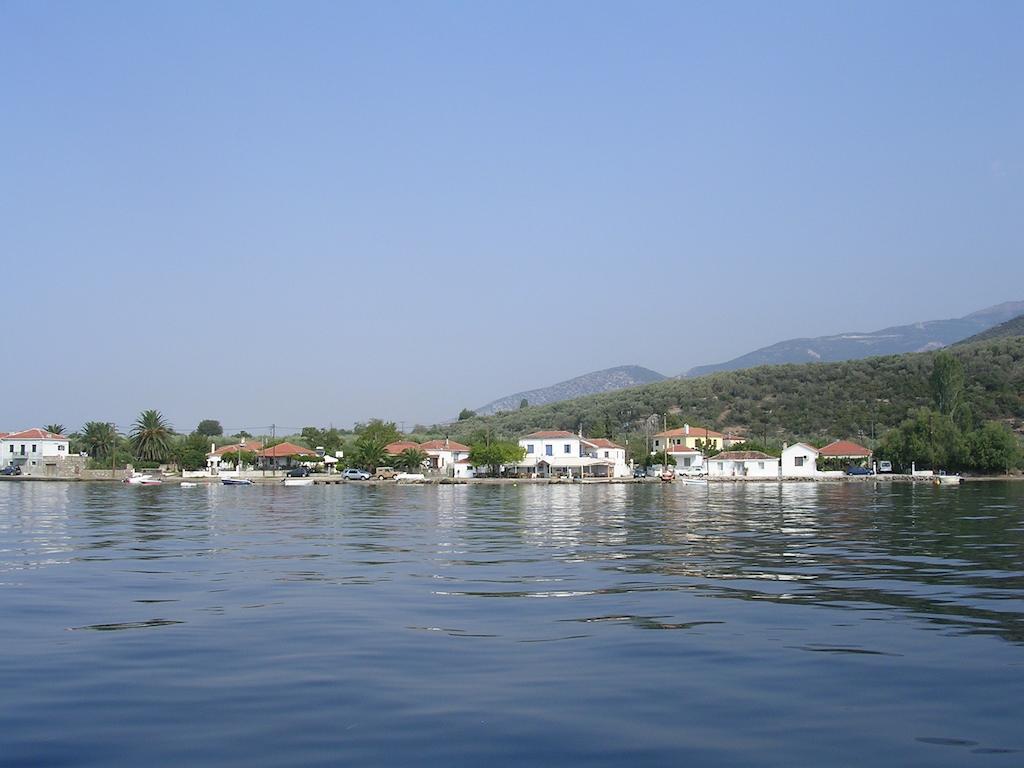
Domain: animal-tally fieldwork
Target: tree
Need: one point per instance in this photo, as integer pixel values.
(378, 431)
(233, 457)
(368, 453)
(928, 438)
(57, 429)
(993, 448)
(98, 438)
(209, 428)
(492, 455)
(523, 403)
(151, 436)
(190, 453)
(411, 459)
(329, 439)
(947, 382)
(466, 413)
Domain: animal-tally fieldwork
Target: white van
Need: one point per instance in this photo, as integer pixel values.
(885, 466)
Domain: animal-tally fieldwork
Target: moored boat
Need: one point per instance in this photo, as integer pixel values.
(236, 481)
(297, 481)
(137, 478)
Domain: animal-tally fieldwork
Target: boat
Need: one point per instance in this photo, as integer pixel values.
(236, 481)
(137, 478)
(693, 481)
(948, 480)
(237, 478)
(190, 485)
(297, 481)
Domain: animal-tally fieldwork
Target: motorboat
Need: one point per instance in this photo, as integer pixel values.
(948, 480)
(236, 481)
(297, 481)
(189, 485)
(693, 481)
(138, 478)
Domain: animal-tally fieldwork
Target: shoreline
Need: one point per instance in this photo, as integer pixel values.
(335, 480)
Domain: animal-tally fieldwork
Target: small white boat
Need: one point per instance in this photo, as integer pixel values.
(948, 480)
(235, 481)
(692, 481)
(297, 481)
(190, 485)
(138, 478)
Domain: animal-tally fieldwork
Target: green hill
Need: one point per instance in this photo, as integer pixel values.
(1014, 327)
(857, 399)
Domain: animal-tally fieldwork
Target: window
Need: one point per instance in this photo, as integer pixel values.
(606, 454)
(529, 447)
(60, 447)
(549, 450)
(686, 461)
(567, 448)
(760, 465)
(33, 449)
(22, 451)
(799, 461)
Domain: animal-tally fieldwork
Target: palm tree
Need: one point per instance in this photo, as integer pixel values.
(369, 454)
(151, 436)
(98, 438)
(57, 429)
(410, 459)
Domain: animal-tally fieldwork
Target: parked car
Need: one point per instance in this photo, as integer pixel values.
(858, 471)
(692, 471)
(386, 473)
(885, 466)
(11, 469)
(639, 472)
(355, 474)
(299, 472)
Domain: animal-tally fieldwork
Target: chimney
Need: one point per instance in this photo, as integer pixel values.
(686, 429)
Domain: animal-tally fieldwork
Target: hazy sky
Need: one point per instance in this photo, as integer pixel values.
(313, 213)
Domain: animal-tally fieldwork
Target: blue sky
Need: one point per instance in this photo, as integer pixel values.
(313, 213)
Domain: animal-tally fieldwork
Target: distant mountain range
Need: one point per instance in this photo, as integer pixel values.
(607, 380)
(919, 337)
(1013, 327)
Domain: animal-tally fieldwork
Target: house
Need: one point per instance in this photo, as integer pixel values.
(750, 464)
(442, 454)
(35, 451)
(216, 455)
(845, 452)
(393, 449)
(799, 460)
(464, 469)
(685, 457)
(688, 436)
(564, 454)
(283, 455)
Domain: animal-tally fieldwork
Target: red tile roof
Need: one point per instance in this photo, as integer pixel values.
(601, 442)
(681, 449)
(561, 433)
(236, 447)
(694, 432)
(287, 449)
(842, 449)
(33, 434)
(438, 445)
(741, 456)
(393, 449)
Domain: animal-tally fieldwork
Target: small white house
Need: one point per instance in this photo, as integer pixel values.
(685, 456)
(799, 460)
(744, 464)
(464, 469)
(602, 448)
(32, 448)
(443, 454)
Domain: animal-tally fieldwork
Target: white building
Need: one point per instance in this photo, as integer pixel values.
(685, 456)
(800, 460)
(749, 464)
(564, 454)
(443, 454)
(33, 449)
(464, 469)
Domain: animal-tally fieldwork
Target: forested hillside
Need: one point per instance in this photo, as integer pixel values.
(861, 398)
(1014, 327)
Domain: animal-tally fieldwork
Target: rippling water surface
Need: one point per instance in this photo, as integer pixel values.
(443, 625)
